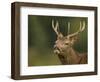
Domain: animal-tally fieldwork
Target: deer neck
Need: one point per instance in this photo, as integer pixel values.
(70, 56)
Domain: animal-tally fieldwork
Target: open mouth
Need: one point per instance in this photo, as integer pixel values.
(57, 51)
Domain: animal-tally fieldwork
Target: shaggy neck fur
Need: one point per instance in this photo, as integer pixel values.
(70, 56)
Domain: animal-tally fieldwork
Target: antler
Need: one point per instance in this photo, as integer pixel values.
(68, 28)
(56, 29)
(80, 30)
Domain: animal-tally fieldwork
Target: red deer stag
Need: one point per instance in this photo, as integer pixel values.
(64, 46)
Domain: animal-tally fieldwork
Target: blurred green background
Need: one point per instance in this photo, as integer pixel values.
(41, 38)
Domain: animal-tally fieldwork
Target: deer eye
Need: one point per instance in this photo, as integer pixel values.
(66, 43)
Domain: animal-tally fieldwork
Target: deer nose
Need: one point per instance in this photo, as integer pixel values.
(56, 48)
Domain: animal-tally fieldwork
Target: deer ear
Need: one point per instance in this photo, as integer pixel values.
(73, 39)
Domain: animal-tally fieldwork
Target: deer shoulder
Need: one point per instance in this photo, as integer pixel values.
(83, 58)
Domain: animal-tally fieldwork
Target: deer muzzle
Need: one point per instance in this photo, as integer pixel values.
(57, 50)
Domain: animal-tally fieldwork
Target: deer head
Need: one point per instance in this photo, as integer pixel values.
(65, 42)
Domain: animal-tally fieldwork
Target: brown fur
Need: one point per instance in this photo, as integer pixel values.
(64, 46)
(72, 57)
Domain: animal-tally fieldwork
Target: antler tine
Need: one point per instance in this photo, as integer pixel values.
(56, 27)
(68, 29)
(82, 27)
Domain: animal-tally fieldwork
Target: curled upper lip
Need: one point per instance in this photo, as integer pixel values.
(56, 48)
